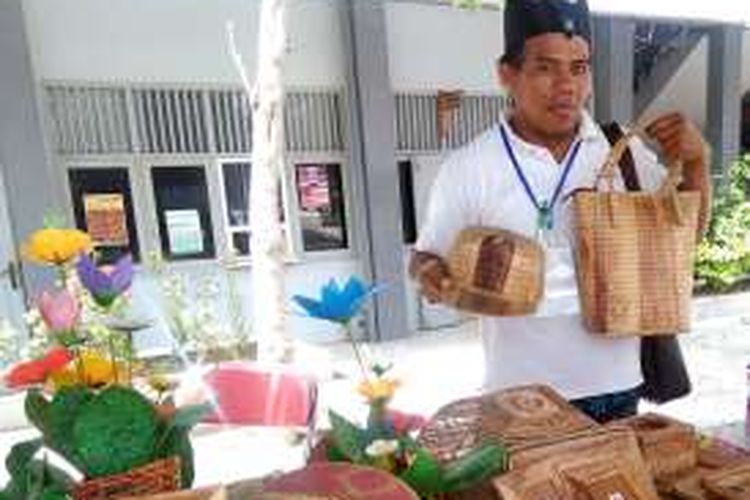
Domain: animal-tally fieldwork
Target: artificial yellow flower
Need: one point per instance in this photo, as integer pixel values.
(160, 383)
(378, 389)
(56, 246)
(90, 368)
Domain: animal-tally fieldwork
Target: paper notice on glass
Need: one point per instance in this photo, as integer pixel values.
(184, 232)
(105, 219)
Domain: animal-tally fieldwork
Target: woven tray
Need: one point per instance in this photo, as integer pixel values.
(600, 464)
(160, 476)
(517, 417)
(497, 272)
(668, 446)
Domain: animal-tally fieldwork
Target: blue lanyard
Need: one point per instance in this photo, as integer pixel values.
(544, 209)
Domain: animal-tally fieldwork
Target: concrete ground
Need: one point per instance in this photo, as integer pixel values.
(440, 366)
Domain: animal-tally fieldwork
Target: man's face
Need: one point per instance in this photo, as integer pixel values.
(552, 82)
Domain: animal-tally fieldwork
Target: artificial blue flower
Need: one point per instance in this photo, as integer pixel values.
(337, 304)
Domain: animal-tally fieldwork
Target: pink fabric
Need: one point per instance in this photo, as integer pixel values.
(251, 395)
(405, 422)
(341, 480)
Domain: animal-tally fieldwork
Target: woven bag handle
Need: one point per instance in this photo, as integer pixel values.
(668, 187)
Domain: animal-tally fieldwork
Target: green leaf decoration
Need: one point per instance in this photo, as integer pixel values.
(189, 416)
(17, 462)
(36, 408)
(51, 477)
(348, 438)
(59, 419)
(175, 441)
(116, 431)
(333, 454)
(475, 467)
(51, 493)
(424, 475)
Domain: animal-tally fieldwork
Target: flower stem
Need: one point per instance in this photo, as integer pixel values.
(79, 366)
(357, 354)
(112, 357)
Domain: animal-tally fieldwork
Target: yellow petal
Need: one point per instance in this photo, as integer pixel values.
(56, 246)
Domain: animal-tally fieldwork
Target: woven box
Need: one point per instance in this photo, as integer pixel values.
(669, 447)
(517, 417)
(602, 464)
(729, 483)
(634, 255)
(496, 272)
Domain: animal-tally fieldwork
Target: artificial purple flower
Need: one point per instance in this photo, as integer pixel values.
(108, 282)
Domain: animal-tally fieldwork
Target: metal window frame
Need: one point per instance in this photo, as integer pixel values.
(341, 159)
(292, 254)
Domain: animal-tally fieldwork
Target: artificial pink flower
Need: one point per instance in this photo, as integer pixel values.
(59, 309)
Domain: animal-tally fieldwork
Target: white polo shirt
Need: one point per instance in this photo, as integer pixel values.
(478, 186)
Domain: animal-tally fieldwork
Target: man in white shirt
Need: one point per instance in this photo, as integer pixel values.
(516, 176)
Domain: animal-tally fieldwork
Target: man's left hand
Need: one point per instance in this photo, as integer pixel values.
(679, 138)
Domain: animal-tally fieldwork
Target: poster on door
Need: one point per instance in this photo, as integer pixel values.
(106, 222)
(185, 232)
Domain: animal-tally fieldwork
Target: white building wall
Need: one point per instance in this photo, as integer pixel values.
(175, 40)
(686, 91)
(433, 47)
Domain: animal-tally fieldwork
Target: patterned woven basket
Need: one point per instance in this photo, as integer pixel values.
(634, 254)
(497, 272)
(157, 477)
(517, 417)
(669, 447)
(730, 483)
(601, 464)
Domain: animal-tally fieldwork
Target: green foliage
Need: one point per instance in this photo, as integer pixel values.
(424, 474)
(419, 468)
(20, 456)
(114, 432)
(100, 432)
(58, 419)
(348, 438)
(723, 257)
(33, 479)
(174, 439)
(479, 465)
(36, 408)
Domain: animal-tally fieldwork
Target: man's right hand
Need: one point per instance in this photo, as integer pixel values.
(432, 274)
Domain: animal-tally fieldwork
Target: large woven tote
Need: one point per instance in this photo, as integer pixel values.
(634, 254)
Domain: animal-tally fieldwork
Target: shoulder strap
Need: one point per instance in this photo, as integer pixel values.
(613, 132)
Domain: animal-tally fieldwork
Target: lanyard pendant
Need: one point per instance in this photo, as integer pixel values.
(544, 217)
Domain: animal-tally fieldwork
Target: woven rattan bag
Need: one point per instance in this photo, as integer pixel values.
(496, 272)
(634, 254)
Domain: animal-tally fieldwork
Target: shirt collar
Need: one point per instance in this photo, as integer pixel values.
(587, 131)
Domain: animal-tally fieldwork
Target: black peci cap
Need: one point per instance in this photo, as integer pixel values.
(524, 19)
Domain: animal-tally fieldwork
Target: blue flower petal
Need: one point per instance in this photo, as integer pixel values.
(311, 306)
(337, 303)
